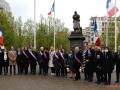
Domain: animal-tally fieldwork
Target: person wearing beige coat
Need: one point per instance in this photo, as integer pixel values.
(12, 59)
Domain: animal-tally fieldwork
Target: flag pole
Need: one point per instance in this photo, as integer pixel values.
(54, 25)
(35, 24)
(115, 29)
(107, 30)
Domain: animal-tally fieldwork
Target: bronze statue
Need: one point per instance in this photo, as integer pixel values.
(76, 21)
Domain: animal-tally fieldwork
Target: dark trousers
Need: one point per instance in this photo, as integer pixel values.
(107, 77)
(90, 76)
(117, 76)
(52, 70)
(19, 70)
(26, 69)
(63, 71)
(13, 68)
(85, 73)
(1, 70)
(40, 69)
(5, 70)
(57, 72)
(98, 73)
(45, 70)
(33, 69)
(77, 71)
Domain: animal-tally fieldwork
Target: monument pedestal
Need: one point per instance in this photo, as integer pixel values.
(77, 40)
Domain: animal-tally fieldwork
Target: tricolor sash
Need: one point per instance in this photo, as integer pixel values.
(62, 56)
(44, 55)
(25, 54)
(89, 52)
(41, 53)
(56, 56)
(78, 60)
(51, 53)
(33, 55)
(12, 53)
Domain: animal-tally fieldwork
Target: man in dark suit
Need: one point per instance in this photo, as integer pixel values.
(77, 63)
(89, 56)
(33, 55)
(40, 55)
(98, 59)
(63, 62)
(25, 59)
(117, 63)
(108, 65)
(45, 60)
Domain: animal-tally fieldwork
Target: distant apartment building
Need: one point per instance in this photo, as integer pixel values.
(101, 26)
(4, 6)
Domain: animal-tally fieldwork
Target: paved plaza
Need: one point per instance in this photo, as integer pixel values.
(40, 82)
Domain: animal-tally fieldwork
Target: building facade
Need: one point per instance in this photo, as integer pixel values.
(4, 6)
(102, 24)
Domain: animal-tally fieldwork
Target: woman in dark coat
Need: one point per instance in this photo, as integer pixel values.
(70, 63)
(6, 62)
(108, 65)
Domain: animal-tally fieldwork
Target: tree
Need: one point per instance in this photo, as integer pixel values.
(7, 22)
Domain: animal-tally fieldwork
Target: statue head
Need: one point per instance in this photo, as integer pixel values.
(75, 12)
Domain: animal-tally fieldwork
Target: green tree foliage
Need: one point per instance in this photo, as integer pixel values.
(18, 34)
(7, 24)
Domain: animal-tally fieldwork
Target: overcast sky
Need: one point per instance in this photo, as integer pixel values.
(64, 9)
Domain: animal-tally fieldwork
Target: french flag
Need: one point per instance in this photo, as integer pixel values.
(52, 9)
(110, 6)
(96, 34)
(1, 38)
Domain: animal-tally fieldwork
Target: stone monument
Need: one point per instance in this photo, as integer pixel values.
(76, 37)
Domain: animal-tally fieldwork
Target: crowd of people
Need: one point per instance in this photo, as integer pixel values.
(92, 60)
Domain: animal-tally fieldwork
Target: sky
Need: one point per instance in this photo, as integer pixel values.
(64, 9)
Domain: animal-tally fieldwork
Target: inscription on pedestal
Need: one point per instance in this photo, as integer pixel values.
(76, 43)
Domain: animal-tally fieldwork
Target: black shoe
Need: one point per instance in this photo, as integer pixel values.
(117, 82)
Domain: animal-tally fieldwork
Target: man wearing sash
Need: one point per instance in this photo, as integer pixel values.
(40, 55)
(25, 59)
(45, 60)
(89, 56)
(63, 61)
(33, 55)
(77, 63)
(12, 59)
(56, 62)
(98, 61)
